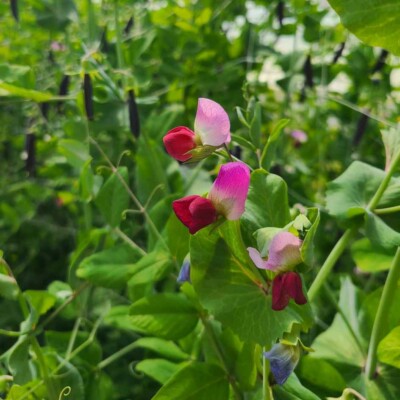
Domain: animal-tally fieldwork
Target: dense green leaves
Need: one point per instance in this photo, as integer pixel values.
(375, 22)
(389, 348)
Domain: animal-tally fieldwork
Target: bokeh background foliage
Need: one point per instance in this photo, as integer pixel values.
(76, 238)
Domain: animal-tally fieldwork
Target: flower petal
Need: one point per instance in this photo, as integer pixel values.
(229, 191)
(178, 142)
(284, 251)
(184, 273)
(195, 212)
(212, 123)
(284, 287)
(256, 258)
(283, 360)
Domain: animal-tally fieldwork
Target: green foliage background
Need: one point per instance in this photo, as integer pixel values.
(69, 227)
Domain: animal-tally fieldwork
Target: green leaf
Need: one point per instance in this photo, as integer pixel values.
(166, 315)
(197, 381)
(369, 257)
(319, 373)
(7, 89)
(118, 317)
(40, 300)
(110, 268)
(234, 299)
(267, 203)
(77, 153)
(268, 152)
(389, 348)
(391, 140)
(8, 286)
(158, 369)
(255, 126)
(113, 199)
(18, 361)
(307, 248)
(379, 233)
(293, 390)
(375, 22)
(163, 347)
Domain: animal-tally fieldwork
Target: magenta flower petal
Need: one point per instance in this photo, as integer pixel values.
(212, 123)
(284, 251)
(229, 191)
(256, 258)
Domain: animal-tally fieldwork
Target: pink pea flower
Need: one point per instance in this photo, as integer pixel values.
(226, 199)
(299, 137)
(211, 128)
(284, 255)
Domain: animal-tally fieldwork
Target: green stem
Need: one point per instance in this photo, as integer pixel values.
(384, 184)
(120, 59)
(380, 323)
(218, 350)
(114, 357)
(91, 21)
(329, 264)
(267, 395)
(228, 152)
(388, 210)
(129, 241)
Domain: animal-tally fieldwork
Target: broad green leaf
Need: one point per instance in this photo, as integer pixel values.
(391, 140)
(346, 350)
(379, 233)
(158, 369)
(163, 347)
(166, 315)
(7, 89)
(77, 153)
(267, 155)
(197, 381)
(369, 257)
(150, 268)
(231, 296)
(389, 348)
(293, 390)
(18, 361)
(40, 300)
(118, 317)
(267, 202)
(246, 365)
(319, 373)
(385, 386)
(110, 268)
(375, 22)
(8, 286)
(113, 199)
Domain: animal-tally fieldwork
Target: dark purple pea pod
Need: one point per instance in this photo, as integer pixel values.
(129, 25)
(134, 122)
(308, 73)
(63, 91)
(360, 130)
(30, 148)
(14, 9)
(44, 109)
(88, 96)
(280, 12)
(338, 53)
(104, 45)
(380, 62)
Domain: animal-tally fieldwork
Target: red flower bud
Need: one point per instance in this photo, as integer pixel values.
(284, 287)
(195, 212)
(178, 142)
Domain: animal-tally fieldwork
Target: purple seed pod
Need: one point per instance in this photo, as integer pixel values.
(88, 96)
(134, 122)
(129, 25)
(14, 9)
(30, 148)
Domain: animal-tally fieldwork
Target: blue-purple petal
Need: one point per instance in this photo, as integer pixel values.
(184, 273)
(283, 360)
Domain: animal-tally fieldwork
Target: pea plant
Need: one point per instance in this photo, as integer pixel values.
(191, 212)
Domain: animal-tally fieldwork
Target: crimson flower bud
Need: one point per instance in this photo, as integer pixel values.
(178, 142)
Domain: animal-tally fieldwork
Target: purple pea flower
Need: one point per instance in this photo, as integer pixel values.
(184, 273)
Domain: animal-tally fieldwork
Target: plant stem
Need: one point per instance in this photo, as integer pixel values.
(385, 303)
(218, 350)
(120, 60)
(228, 152)
(384, 184)
(128, 240)
(114, 357)
(387, 210)
(267, 395)
(329, 263)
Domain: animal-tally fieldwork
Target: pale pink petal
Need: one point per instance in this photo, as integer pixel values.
(212, 123)
(284, 251)
(229, 191)
(256, 258)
